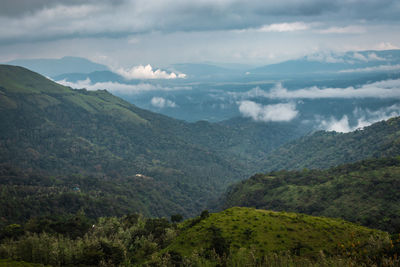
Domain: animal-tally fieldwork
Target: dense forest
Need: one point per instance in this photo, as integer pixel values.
(327, 149)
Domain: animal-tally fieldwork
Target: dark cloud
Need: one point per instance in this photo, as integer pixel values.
(27, 20)
(21, 7)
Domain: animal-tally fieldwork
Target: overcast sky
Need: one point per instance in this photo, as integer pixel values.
(124, 33)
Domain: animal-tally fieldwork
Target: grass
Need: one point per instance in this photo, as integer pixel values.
(268, 232)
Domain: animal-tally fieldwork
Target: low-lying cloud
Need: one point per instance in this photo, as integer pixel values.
(364, 118)
(147, 72)
(274, 112)
(120, 88)
(374, 69)
(381, 89)
(160, 102)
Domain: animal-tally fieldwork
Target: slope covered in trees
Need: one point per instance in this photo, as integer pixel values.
(150, 163)
(366, 192)
(328, 149)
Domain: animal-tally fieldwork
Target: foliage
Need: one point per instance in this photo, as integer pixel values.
(328, 149)
(235, 237)
(366, 192)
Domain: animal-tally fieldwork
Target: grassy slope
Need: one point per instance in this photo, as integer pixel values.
(366, 192)
(268, 231)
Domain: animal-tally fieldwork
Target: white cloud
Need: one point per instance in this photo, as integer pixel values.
(375, 57)
(147, 72)
(386, 46)
(364, 117)
(360, 57)
(161, 102)
(275, 112)
(119, 88)
(381, 89)
(352, 29)
(340, 126)
(375, 68)
(284, 27)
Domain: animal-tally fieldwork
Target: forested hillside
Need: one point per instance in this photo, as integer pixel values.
(327, 149)
(115, 152)
(366, 192)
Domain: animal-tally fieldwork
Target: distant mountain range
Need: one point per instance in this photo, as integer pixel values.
(349, 62)
(54, 67)
(71, 68)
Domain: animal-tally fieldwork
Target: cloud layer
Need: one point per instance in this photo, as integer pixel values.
(364, 117)
(381, 89)
(147, 72)
(275, 112)
(120, 88)
(38, 19)
(160, 102)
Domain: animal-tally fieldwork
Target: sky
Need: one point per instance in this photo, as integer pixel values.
(125, 33)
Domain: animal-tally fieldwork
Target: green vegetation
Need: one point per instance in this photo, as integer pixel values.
(234, 237)
(365, 192)
(328, 149)
(11, 263)
(268, 231)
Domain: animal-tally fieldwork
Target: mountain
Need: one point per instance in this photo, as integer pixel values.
(366, 192)
(95, 77)
(54, 67)
(327, 149)
(329, 63)
(72, 148)
(201, 71)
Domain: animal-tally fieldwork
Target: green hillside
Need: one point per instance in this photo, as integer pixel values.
(237, 231)
(137, 161)
(366, 192)
(234, 237)
(328, 149)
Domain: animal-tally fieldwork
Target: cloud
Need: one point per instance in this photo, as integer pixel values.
(386, 46)
(375, 57)
(360, 57)
(42, 19)
(364, 118)
(147, 72)
(381, 89)
(275, 112)
(284, 27)
(119, 88)
(161, 102)
(374, 69)
(352, 29)
(340, 126)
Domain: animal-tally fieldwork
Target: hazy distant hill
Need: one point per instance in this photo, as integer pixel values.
(365, 192)
(333, 63)
(53, 67)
